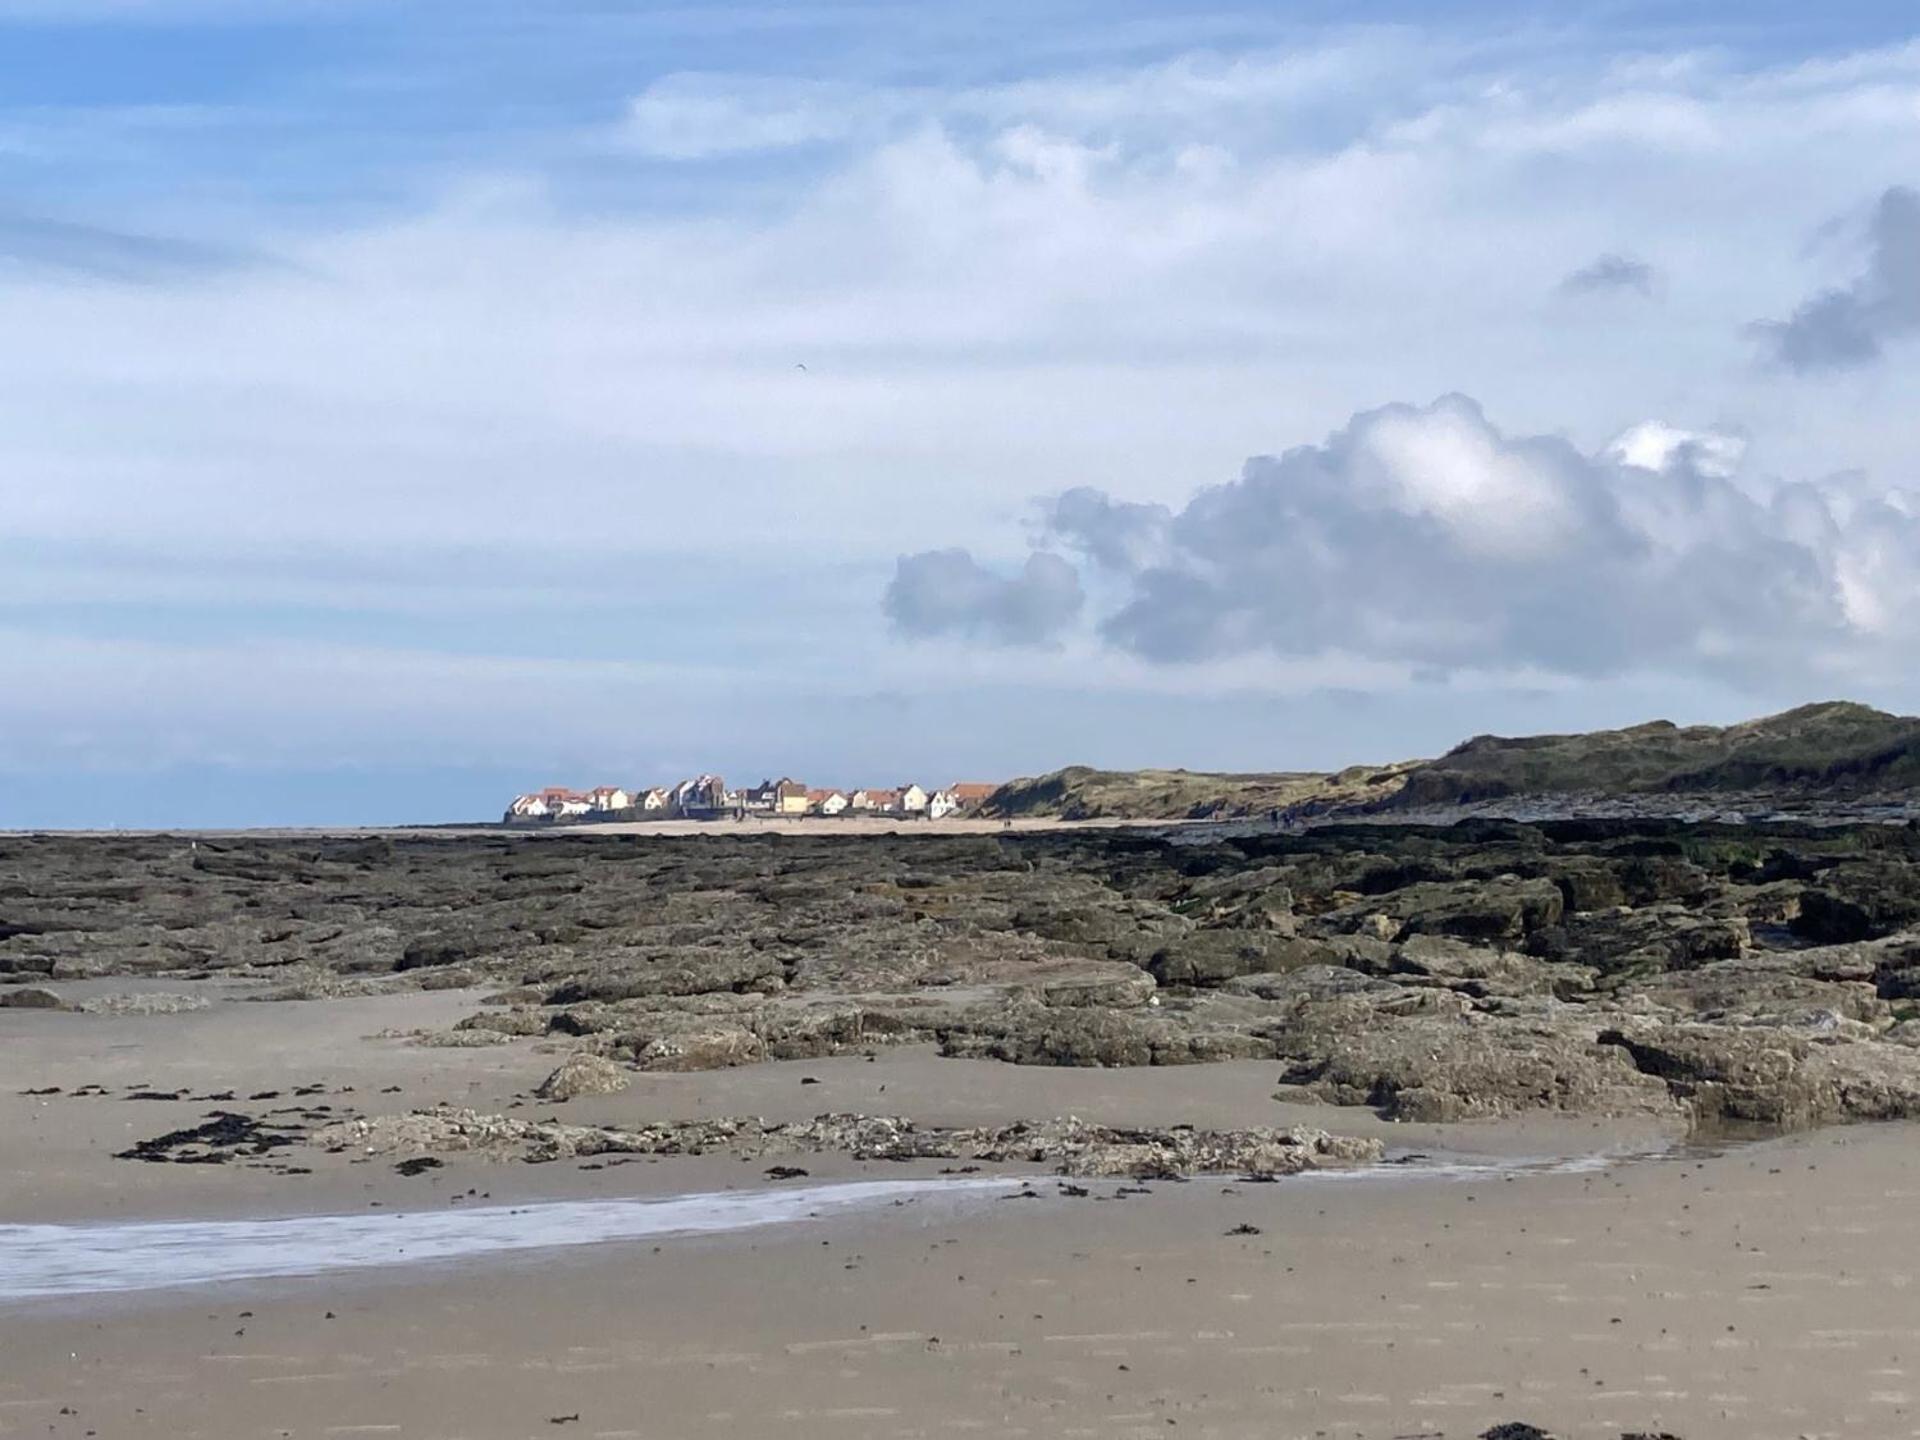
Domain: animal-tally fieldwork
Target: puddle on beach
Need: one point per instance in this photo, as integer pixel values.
(39, 1261)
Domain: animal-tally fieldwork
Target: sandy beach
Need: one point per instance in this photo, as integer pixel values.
(947, 1136)
(1759, 1289)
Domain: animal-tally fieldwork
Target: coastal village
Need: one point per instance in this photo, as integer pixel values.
(708, 797)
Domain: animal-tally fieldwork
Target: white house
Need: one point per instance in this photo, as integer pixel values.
(609, 797)
(826, 802)
(550, 803)
(912, 800)
(705, 795)
(941, 804)
(656, 800)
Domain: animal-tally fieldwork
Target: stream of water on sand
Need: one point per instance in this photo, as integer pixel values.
(43, 1260)
(38, 1261)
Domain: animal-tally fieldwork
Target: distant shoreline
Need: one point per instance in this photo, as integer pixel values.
(1756, 810)
(811, 825)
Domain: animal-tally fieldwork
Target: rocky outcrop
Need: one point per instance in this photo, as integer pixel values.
(619, 975)
(1632, 942)
(1213, 956)
(1027, 1034)
(1504, 910)
(32, 997)
(1759, 1075)
(1460, 1062)
(583, 1075)
(1589, 966)
(1067, 1146)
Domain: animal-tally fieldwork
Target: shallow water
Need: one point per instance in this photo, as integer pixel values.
(38, 1261)
(46, 1260)
(1436, 1165)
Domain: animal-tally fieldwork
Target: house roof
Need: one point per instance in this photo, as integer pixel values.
(971, 790)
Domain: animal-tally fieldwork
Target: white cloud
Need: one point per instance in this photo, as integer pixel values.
(1446, 464)
(1428, 536)
(697, 117)
(1655, 445)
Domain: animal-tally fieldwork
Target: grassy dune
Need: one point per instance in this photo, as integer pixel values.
(1834, 749)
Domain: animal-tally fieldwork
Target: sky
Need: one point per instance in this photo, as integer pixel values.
(407, 404)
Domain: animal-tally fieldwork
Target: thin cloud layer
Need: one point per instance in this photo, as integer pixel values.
(36, 244)
(696, 117)
(1429, 537)
(948, 592)
(1849, 327)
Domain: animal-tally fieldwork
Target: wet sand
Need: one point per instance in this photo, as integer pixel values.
(1764, 1290)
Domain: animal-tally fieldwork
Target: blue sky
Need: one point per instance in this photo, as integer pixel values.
(402, 404)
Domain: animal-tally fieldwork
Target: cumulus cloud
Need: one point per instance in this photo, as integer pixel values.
(1848, 327)
(1427, 536)
(948, 592)
(1656, 445)
(1611, 274)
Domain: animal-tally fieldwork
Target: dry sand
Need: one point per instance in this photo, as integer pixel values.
(1764, 1290)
